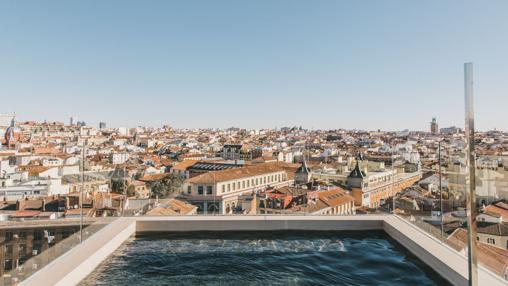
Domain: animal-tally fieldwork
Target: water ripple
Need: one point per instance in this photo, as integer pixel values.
(278, 258)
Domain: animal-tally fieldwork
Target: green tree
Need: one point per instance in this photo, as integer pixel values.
(166, 187)
(131, 191)
(118, 186)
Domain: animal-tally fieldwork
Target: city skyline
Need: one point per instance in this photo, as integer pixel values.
(74, 120)
(322, 65)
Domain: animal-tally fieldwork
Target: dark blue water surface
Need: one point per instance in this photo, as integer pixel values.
(263, 258)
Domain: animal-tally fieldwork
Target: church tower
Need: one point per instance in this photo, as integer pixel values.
(10, 140)
(303, 174)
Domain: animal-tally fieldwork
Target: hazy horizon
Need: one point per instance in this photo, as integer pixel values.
(66, 122)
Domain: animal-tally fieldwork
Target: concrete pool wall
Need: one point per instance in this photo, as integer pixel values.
(79, 262)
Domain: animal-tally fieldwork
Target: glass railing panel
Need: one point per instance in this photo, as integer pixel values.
(491, 189)
(31, 245)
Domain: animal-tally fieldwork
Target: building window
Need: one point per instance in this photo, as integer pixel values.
(238, 185)
(7, 264)
(22, 235)
(8, 249)
(223, 188)
(234, 186)
(208, 190)
(189, 189)
(491, 241)
(229, 187)
(38, 235)
(257, 182)
(8, 236)
(248, 183)
(243, 184)
(200, 190)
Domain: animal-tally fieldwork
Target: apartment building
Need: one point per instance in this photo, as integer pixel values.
(373, 188)
(218, 191)
(240, 152)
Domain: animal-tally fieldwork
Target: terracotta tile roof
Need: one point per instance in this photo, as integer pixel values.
(286, 190)
(86, 212)
(30, 205)
(184, 165)
(45, 150)
(36, 170)
(499, 229)
(238, 173)
(318, 200)
(494, 209)
(173, 207)
(166, 162)
(494, 258)
(22, 214)
(153, 177)
(335, 197)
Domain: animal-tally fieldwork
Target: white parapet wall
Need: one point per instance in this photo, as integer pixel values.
(79, 262)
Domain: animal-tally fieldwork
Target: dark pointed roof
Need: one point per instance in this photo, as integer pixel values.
(304, 168)
(357, 173)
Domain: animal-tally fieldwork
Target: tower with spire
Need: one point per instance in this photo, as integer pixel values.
(10, 140)
(355, 178)
(303, 174)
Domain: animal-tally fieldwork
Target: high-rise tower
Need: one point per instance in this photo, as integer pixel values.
(434, 128)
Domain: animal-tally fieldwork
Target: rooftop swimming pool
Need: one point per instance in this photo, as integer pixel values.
(263, 258)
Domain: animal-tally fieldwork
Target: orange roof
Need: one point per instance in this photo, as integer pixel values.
(335, 197)
(36, 170)
(153, 177)
(237, 173)
(45, 150)
(494, 209)
(494, 258)
(20, 214)
(184, 165)
(173, 207)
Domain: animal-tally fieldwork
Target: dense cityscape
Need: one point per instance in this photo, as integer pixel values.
(52, 173)
(253, 143)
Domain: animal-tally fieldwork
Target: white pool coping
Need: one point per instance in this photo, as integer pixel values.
(79, 262)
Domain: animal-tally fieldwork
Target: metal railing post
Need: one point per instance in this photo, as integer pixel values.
(471, 184)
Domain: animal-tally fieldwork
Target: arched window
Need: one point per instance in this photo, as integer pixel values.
(213, 208)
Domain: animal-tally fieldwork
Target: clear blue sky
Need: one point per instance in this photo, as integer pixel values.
(321, 64)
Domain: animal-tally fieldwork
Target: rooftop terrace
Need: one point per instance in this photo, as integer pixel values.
(76, 264)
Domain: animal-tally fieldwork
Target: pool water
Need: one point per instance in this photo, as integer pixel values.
(263, 258)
